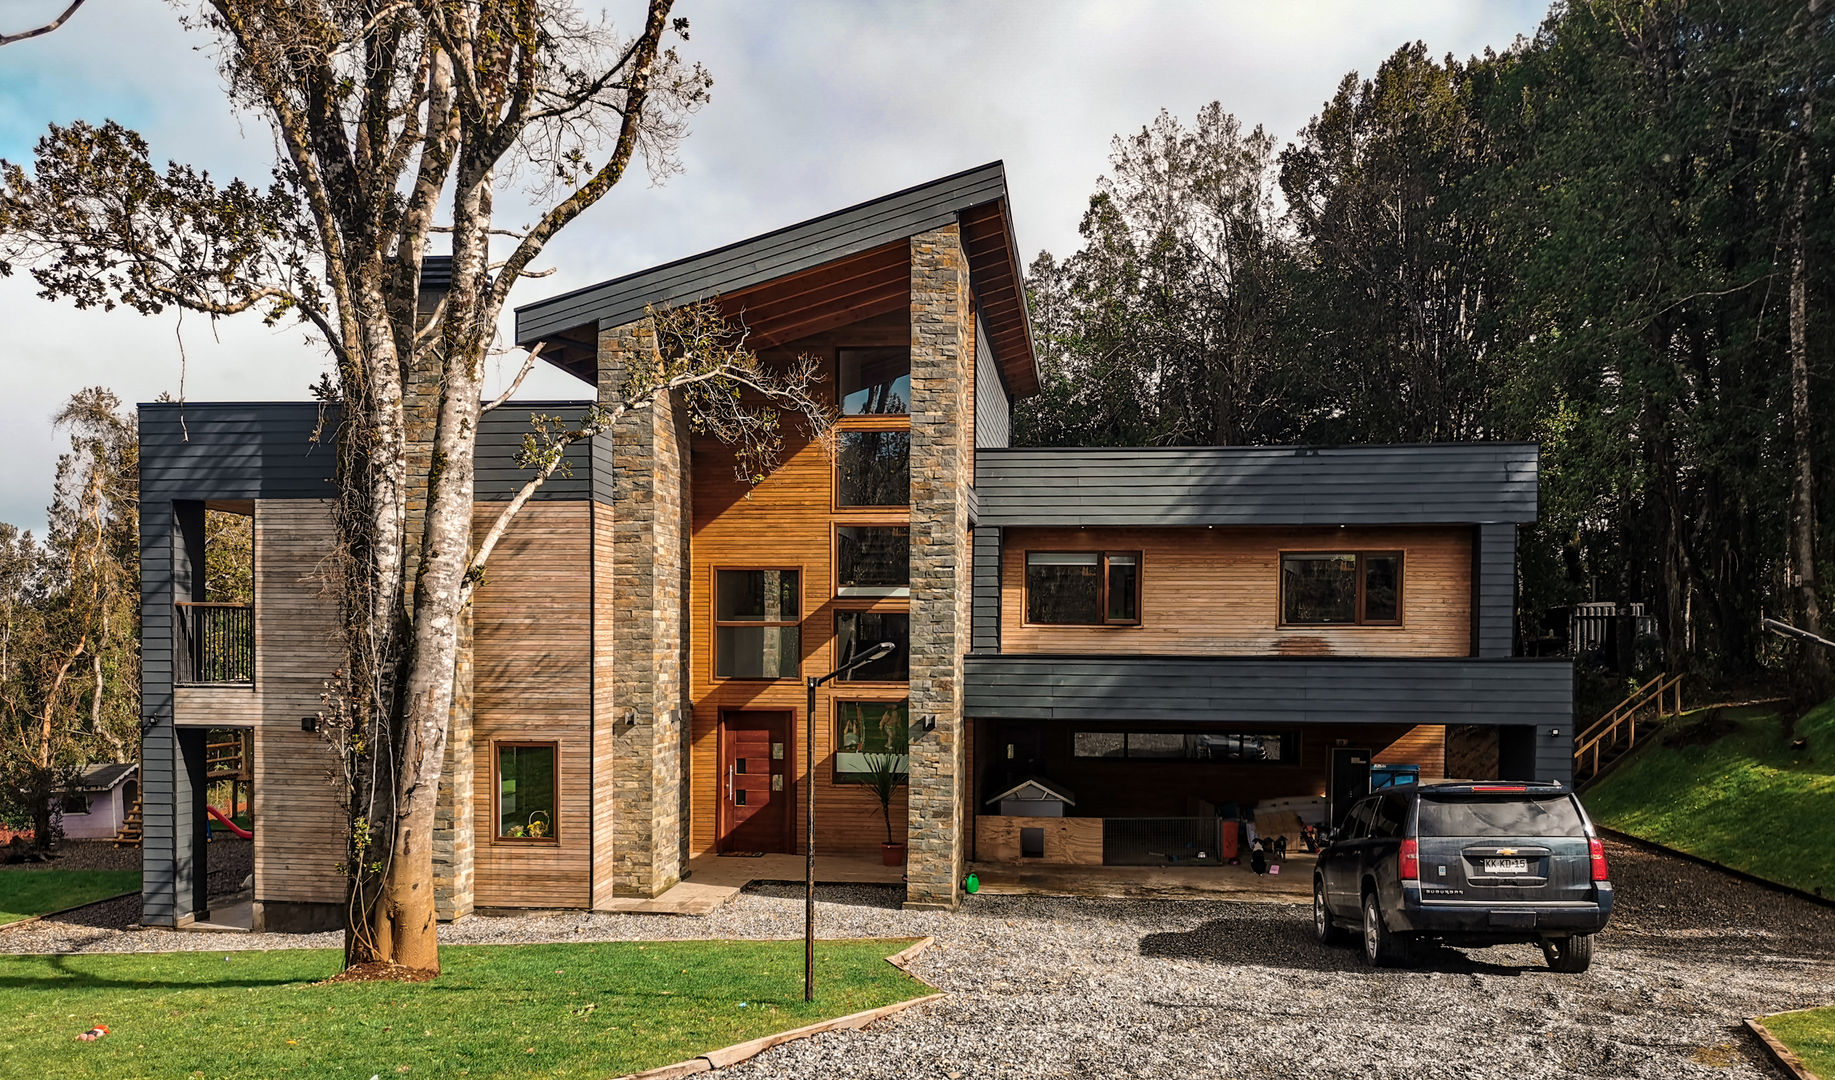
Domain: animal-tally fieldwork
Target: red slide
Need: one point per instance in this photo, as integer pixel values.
(228, 824)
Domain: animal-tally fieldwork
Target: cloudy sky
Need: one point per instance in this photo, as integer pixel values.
(816, 105)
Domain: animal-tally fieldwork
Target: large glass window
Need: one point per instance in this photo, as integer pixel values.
(1261, 748)
(872, 560)
(1083, 588)
(756, 613)
(871, 736)
(875, 382)
(873, 468)
(527, 786)
(858, 631)
(1348, 588)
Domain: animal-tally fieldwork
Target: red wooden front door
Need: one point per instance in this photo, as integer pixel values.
(755, 781)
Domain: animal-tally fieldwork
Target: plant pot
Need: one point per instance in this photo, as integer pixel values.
(892, 854)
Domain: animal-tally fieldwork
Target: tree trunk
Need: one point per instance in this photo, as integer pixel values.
(1814, 660)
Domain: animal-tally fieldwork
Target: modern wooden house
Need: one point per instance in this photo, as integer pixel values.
(1159, 631)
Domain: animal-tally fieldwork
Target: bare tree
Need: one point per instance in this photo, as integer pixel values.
(46, 28)
(393, 120)
(1802, 561)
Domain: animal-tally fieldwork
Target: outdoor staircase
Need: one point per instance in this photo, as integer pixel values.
(1614, 735)
(128, 835)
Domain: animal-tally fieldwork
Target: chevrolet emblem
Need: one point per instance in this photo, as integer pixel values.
(1506, 851)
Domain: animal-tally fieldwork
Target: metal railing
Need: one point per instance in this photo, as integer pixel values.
(1619, 724)
(1165, 841)
(214, 643)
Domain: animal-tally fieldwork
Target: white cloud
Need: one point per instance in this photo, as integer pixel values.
(816, 105)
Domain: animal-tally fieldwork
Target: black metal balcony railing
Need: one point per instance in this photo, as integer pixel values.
(215, 643)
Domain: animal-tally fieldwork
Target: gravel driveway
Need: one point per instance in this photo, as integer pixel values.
(1092, 988)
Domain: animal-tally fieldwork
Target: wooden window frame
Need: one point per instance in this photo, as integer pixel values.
(840, 609)
(1103, 556)
(497, 745)
(847, 696)
(713, 612)
(842, 418)
(853, 425)
(888, 592)
(1358, 621)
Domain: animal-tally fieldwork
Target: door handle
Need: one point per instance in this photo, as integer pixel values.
(729, 782)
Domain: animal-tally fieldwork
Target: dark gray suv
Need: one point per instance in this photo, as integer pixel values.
(1468, 864)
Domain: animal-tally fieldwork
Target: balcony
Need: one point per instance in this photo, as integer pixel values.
(214, 644)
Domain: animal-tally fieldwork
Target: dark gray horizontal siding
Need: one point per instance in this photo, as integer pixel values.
(1387, 485)
(265, 450)
(993, 408)
(763, 258)
(1495, 590)
(985, 603)
(1269, 690)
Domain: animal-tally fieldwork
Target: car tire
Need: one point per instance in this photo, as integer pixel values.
(1570, 955)
(1326, 930)
(1380, 947)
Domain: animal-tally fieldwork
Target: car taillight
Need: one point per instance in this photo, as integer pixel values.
(1411, 860)
(1499, 787)
(1598, 851)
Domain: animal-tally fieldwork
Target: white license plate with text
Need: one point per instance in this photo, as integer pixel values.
(1506, 866)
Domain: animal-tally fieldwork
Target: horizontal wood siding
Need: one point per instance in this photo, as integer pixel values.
(1495, 591)
(532, 665)
(605, 713)
(1274, 690)
(1461, 483)
(993, 408)
(1216, 592)
(299, 826)
(986, 583)
(785, 522)
(1423, 745)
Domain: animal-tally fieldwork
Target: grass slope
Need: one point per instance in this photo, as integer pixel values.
(577, 1010)
(1744, 800)
(1811, 1033)
(25, 893)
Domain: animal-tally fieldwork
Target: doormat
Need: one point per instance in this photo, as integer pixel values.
(742, 854)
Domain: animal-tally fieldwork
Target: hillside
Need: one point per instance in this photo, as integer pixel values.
(1728, 786)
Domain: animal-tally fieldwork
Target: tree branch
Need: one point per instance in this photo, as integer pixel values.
(528, 365)
(8, 39)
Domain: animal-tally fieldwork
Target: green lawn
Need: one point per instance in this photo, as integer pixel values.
(1811, 1033)
(578, 1010)
(1745, 799)
(25, 893)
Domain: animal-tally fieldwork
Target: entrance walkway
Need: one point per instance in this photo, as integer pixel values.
(1224, 882)
(713, 880)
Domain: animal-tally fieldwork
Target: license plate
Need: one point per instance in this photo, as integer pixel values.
(1506, 866)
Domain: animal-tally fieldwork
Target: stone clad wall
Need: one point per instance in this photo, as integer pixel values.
(942, 464)
(649, 579)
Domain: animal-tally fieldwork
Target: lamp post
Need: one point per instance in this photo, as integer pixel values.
(877, 652)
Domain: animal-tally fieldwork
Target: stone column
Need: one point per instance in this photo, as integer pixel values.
(942, 456)
(650, 458)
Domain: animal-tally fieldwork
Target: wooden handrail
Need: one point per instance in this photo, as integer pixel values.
(1606, 727)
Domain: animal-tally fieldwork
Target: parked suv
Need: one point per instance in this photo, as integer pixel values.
(1469, 864)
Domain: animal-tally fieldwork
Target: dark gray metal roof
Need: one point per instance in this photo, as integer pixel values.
(1442, 483)
(769, 256)
(1269, 689)
(104, 777)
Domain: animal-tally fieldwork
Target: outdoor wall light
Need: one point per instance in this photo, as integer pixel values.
(630, 718)
(929, 722)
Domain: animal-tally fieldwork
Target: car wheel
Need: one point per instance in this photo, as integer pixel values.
(1571, 955)
(1381, 948)
(1325, 931)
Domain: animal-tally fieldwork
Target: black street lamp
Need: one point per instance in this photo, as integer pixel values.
(877, 652)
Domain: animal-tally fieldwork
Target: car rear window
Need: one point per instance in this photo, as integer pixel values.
(1552, 815)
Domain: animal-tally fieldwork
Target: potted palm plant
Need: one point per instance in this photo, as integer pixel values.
(885, 771)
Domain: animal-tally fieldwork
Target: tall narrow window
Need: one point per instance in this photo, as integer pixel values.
(858, 631)
(1083, 588)
(872, 560)
(874, 382)
(1344, 588)
(872, 468)
(756, 616)
(528, 783)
